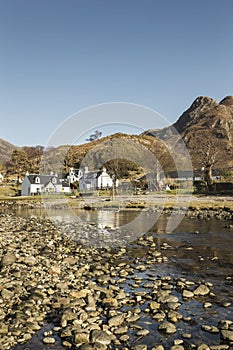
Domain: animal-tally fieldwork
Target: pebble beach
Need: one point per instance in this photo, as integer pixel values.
(58, 293)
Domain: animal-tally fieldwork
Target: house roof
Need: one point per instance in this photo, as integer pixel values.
(44, 179)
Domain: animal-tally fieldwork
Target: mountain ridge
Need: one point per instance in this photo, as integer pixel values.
(204, 121)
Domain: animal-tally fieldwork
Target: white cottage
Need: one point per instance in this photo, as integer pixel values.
(94, 180)
(36, 184)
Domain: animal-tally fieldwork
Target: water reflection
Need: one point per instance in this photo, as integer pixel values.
(209, 238)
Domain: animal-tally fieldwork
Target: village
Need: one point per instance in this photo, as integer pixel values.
(83, 180)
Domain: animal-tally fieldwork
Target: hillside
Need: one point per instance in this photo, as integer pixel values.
(6, 149)
(120, 153)
(206, 127)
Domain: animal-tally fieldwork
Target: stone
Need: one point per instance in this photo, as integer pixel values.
(8, 259)
(81, 338)
(4, 329)
(187, 335)
(133, 318)
(55, 270)
(121, 330)
(203, 347)
(167, 327)
(225, 324)
(140, 347)
(30, 260)
(79, 294)
(116, 320)
(227, 334)
(112, 302)
(100, 337)
(158, 347)
(187, 294)
(124, 337)
(210, 329)
(201, 290)
(7, 294)
(49, 340)
(207, 305)
(142, 332)
(99, 346)
(154, 305)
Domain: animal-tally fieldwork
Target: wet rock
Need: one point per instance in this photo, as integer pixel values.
(142, 332)
(187, 335)
(178, 341)
(225, 324)
(167, 327)
(81, 338)
(187, 294)
(154, 306)
(101, 337)
(207, 305)
(121, 330)
(203, 347)
(49, 340)
(132, 318)
(99, 346)
(124, 337)
(140, 347)
(116, 320)
(210, 329)
(201, 290)
(227, 334)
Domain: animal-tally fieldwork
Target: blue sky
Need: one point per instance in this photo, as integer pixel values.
(61, 56)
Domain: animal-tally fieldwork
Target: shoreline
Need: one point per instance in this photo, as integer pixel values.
(204, 206)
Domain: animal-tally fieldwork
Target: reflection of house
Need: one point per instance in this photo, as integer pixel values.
(35, 184)
(1, 178)
(93, 180)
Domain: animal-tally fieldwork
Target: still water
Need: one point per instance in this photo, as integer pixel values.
(211, 238)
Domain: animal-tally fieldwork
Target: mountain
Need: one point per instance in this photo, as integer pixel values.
(6, 149)
(206, 128)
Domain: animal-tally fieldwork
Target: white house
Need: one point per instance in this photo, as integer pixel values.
(36, 184)
(94, 180)
(1, 178)
(74, 175)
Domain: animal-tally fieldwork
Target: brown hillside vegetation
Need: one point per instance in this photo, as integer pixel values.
(6, 149)
(205, 127)
(118, 151)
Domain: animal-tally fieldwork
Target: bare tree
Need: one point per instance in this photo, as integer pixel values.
(95, 136)
(207, 147)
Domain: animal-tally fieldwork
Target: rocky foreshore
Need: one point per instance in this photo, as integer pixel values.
(79, 296)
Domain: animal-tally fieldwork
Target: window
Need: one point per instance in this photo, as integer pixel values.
(54, 180)
(37, 180)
